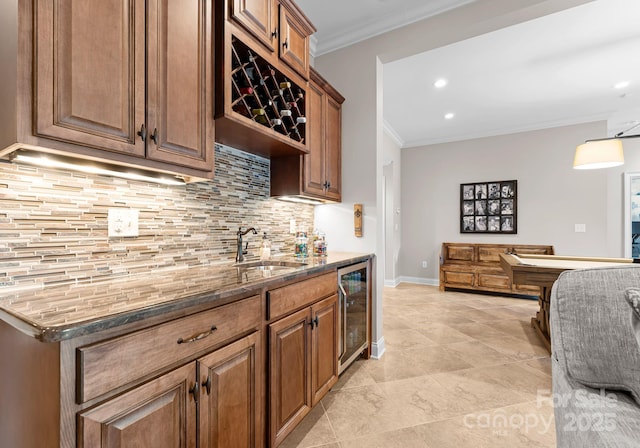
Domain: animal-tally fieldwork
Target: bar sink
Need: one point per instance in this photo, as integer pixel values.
(269, 265)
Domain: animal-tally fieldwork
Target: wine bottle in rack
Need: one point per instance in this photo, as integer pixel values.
(301, 120)
(285, 113)
(276, 122)
(268, 72)
(254, 77)
(295, 133)
(241, 108)
(246, 90)
(260, 115)
(293, 105)
(265, 100)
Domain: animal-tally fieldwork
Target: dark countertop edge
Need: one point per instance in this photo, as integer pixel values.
(63, 332)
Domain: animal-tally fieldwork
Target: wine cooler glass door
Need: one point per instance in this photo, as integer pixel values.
(353, 292)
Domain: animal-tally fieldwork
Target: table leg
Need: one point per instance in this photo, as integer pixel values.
(541, 321)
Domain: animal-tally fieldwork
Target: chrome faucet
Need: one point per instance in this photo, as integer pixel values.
(243, 251)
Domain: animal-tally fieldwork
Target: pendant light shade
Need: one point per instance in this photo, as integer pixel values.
(599, 154)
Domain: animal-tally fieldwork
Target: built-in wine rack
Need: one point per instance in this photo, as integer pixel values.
(263, 94)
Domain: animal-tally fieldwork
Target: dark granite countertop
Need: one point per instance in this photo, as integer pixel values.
(56, 313)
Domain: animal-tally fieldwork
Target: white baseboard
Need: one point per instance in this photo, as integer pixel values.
(420, 281)
(392, 283)
(378, 349)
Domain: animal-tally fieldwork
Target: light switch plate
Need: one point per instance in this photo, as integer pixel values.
(580, 228)
(122, 222)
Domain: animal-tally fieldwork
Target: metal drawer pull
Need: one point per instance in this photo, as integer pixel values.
(198, 336)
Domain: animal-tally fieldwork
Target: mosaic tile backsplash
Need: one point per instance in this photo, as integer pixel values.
(53, 224)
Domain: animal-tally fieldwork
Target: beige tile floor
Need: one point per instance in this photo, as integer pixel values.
(461, 370)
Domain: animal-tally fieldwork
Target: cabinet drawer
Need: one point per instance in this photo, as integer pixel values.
(490, 254)
(460, 253)
(456, 278)
(493, 281)
(289, 298)
(107, 365)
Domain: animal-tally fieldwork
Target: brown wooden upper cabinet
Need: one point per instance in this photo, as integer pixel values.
(280, 25)
(262, 63)
(127, 81)
(295, 30)
(318, 174)
(259, 17)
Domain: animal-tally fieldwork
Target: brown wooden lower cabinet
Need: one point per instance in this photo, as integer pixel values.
(303, 364)
(230, 406)
(240, 375)
(159, 414)
(162, 413)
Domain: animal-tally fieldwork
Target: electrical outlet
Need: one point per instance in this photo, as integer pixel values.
(580, 228)
(424, 264)
(122, 222)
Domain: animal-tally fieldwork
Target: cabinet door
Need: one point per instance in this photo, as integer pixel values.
(159, 414)
(314, 177)
(289, 373)
(90, 73)
(180, 83)
(333, 149)
(230, 406)
(257, 17)
(294, 43)
(324, 360)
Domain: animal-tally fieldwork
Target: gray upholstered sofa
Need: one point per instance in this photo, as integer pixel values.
(595, 342)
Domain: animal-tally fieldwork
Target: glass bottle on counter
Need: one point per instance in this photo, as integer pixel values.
(319, 244)
(301, 245)
(265, 248)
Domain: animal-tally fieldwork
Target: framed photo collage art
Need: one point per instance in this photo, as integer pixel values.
(489, 207)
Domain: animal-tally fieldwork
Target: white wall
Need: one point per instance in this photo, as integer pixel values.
(552, 196)
(392, 172)
(356, 72)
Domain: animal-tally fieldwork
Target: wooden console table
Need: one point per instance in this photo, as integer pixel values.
(476, 267)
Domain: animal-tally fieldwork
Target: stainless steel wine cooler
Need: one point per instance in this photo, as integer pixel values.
(355, 288)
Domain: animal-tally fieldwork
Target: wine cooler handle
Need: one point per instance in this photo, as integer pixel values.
(343, 304)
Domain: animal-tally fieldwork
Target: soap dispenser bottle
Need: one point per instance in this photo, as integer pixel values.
(265, 248)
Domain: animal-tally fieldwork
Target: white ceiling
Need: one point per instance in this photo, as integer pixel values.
(556, 70)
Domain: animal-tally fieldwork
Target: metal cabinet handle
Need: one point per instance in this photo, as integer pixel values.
(143, 133)
(274, 34)
(286, 43)
(195, 390)
(314, 322)
(198, 336)
(207, 384)
(154, 136)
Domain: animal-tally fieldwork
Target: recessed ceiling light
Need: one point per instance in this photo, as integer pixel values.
(440, 83)
(621, 85)
(449, 115)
